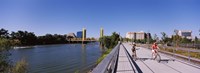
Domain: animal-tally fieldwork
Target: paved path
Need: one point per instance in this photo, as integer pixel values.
(124, 63)
(147, 65)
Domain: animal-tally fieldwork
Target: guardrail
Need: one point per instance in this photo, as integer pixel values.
(109, 63)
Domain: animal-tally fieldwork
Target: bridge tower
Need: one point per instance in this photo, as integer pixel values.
(101, 32)
(83, 34)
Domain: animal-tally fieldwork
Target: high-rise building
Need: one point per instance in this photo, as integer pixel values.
(101, 32)
(84, 34)
(79, 34)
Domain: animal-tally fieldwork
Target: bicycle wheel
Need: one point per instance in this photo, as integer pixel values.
(158, 58)
(153, 56)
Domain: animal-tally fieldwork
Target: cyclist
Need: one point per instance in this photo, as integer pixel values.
(134, 50)
(155, 50)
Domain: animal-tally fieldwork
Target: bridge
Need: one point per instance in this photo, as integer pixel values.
(120, 61)
(79, 40)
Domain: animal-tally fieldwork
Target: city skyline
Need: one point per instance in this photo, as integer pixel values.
(62, 17)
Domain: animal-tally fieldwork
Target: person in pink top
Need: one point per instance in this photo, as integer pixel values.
(155, 50)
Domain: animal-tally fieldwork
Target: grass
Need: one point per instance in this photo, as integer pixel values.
(185, 53)
(181, 52)
(104, 55)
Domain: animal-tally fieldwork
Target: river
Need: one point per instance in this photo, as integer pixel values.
(62, 58)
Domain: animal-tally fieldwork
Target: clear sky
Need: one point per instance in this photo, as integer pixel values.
(65, 16)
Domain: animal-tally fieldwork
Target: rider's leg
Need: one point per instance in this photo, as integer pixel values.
(153, 54)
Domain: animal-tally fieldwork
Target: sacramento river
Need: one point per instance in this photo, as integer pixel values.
(64, 58)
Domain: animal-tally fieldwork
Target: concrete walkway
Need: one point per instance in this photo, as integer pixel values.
(124, 63)
(147, 65)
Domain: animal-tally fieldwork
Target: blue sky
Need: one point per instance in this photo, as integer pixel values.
(65, 16)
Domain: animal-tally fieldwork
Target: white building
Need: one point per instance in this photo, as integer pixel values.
(136, 35)
(130, 35)
(185, 33)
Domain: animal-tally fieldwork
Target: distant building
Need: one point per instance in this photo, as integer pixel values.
(72, 35)
(84, 34)
(101, 32)
(138, 35)
(148, 35)
(131, 35)
(185, 33)
(79, 34)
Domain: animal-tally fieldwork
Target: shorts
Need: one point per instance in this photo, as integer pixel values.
(154, 51)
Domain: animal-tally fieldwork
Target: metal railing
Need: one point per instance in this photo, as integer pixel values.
(109, 63)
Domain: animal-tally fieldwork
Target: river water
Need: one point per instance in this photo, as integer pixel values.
(62, 58)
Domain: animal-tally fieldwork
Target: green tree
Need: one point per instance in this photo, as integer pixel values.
(165, 38)
(185, 40)
(196, 40)
(176, 39)
(110, 41)
(114, 39)
(155, 38)
(4, 33)
(25, 38)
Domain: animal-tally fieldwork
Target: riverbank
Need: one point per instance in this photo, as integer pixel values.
(104, 55)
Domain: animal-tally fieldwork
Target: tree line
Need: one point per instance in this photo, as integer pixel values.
(176, 40)
(25, 38)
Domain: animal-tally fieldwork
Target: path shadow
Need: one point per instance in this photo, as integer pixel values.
(166, 60)
(144, 59)
(160, 61)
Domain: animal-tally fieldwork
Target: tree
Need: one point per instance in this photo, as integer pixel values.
(4, 33)
(25, 38)
(155, 38)
(185, 40)
(110, 41)
(196, 40)
(176, 39)
(165, 38)
(114, 39)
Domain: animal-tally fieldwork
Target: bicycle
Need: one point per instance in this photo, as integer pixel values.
(156, 56)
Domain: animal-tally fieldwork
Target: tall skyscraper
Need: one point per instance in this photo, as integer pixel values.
(84, 34)
(101, 32)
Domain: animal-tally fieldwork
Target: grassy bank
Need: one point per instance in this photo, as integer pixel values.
(184, 53)
(104, 55)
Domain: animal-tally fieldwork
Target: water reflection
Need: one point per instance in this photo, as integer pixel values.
(83, 51)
